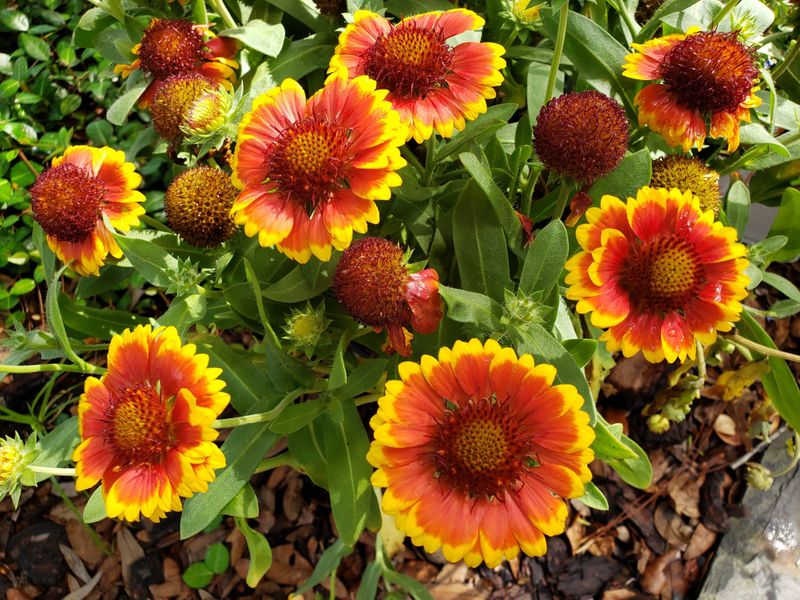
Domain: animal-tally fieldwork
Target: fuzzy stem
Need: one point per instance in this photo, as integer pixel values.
(701, 361)
(260, 417)
(222, 10)
(766, 350)
(723, 13)
(54, 367)
(62, 472)
(430, 160)
(561, 36)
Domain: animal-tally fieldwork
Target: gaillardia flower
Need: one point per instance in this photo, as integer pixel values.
(175, 100)
(373, 283)
(198, 206)
(583, 135)
(477, 450)
(686, 173)
(433, 85)
(312, 170)
(705, 75)
(177, 47)
(145, 426)
(658, 272)
(71, 198)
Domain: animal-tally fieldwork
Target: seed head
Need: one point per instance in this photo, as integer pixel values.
(198, 205)
(685, 173)
(174, 101)
(170, 47)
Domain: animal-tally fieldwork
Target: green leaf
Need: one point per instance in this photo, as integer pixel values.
(217, 558)
(368, 588)
(306, 446)
(22, 287)
(197, 576)
(545, 259)
(502, 207)
(417, 590)
(737, 207)
(779, 383)
(260, 553)
(362, 378)
(14, 20)
(472, 307)
(638, 471)
(304, 11)
(296, 416)
(346, 445)
(538, 74)
(260, 36)
(593, 497)
(667, 8)
(581, 350)
(294, 287)
(477, 131)
(34, 47)
(596, 55)
(753, 133)
(244, 504)
(787, 223)
(123, 105)
(100, 132)
(608, 441)
(21, 132)
(152, 262)
(633, 173)
(539, 342)
(480, 245)
(184, 311)
(243, 450)
(95, 508)
(57, 445)
(783, 285)
(54, 319)
(328, 563)
(86, 321)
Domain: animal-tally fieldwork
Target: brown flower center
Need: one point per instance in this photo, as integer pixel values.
(170, 47)
(370, 283)
(309, 161)
(138, 430)
(663, 275)
(710, 71)
(66, 202)
(409, 61)
(198, 205)
(481, 449)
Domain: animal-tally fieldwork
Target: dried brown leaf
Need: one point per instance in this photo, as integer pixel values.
(684, 489)
(702, 540)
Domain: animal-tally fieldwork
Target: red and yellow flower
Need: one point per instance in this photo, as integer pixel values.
(177, 47)
(433, 85)
(145, 426)
(71, 199)
(477, 451)
(311, 170)
(373, 283)
(706, 75)
(659, 273)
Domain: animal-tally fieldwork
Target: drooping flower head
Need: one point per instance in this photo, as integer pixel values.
(373, 283)
(659, 273)
(198, 205)
(706, 75)
(311, 170)
(477, 450)
(687, 173)
(71, 198)
(145, 426)
(583, 135)
(177, 47)
(433, 85)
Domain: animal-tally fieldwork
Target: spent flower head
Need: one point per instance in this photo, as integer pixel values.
(688, 174)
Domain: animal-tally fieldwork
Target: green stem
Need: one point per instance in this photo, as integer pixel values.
(787, 61)
(723, 13)
(528, 189)
(62, 472)
(765, 350)
(561, 36)
(430, 160)
(412, 160)
(222, 10)
(261, 417)
(563, 198)
(54, 367)
(701, 361)
(284, 458)
(633, 26)
(367, 399)
(757, 151)
(511, 37)
(795, 458)
(154, 223)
